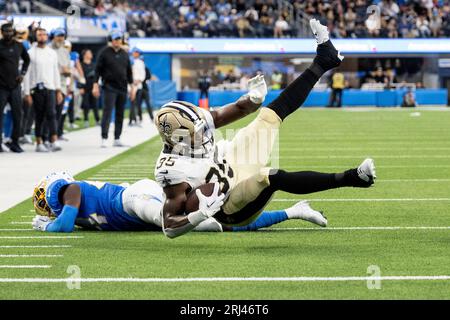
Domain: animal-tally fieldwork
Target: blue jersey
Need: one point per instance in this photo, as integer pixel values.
(101, 207)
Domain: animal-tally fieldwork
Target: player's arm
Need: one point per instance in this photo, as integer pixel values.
(244, 105)
(65, 222)
(175, 221)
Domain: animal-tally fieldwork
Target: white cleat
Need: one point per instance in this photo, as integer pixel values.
(302, 210)
(118, 143)
(320, 31)
(104, 143)
(41, 148)
(366, 171)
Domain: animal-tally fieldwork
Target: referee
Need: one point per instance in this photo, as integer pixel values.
(10, 82)
(114, 68)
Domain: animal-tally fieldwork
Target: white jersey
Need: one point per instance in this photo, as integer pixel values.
(172, 169)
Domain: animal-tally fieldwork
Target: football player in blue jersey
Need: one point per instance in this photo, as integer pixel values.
(61, 202)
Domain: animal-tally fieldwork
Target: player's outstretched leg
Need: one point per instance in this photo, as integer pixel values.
(327, 58)
(304, 182)
(301, 210)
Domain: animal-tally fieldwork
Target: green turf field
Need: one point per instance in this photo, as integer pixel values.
(403, 231)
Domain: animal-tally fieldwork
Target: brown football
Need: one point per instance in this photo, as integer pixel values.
(192, 199)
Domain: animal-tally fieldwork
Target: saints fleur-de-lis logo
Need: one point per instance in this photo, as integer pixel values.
(164, 126)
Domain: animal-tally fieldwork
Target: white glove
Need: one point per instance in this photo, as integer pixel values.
(40, 223)
(208, 206)
(257, 89)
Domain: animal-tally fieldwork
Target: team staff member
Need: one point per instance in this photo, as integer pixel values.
(42, 87)
(57, 44)
(114, 68)
(337, 85)
(11, 51)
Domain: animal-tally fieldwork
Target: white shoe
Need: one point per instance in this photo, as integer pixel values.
(118, 143)
(104, 143)
(41, 148)
(302, 210)
(320, 31)
(55, 146)
(73, 126)
(86, 124)
(366, 171)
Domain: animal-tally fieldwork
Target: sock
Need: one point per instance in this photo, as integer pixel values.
(303, 182)
(266, 219)
(296, 93)
(350, 178)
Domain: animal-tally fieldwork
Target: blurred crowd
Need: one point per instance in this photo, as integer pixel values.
(267, 18)
(45, 87)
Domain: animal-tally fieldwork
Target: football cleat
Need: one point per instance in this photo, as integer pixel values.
(366, 171)
(327, 55)
(302, 210)
(320, 31)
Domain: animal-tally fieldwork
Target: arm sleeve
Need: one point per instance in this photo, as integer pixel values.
(65, 221)
(26, 60)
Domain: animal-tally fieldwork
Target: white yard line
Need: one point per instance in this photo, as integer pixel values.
(31, 255)
(300, 166)
(358, 228)
(400, 156)
(26, 266)
(20, 222)
(41, 237)
(46, 247)
(366, 200)
(230, 279)
(11, 230)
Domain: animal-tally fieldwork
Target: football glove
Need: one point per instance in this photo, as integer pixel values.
(257, 89)
(40, 223)
(209, 206)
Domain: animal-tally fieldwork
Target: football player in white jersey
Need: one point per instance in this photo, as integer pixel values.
(103, 206)
(191, 158)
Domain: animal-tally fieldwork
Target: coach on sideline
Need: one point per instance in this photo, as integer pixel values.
(42, 87)
(114, 68)
(10, 79)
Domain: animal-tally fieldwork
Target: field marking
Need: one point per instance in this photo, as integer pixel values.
(50, 246)
(378, 167)
(229, 279)
(402, 156)
(21, 222)
(26, 266)
(300, 148)
(379, 180)
(413, 180)
(363, 200)
(30, 229)
(28, 216)
(31, 256)
(355, 228)
(41, 237)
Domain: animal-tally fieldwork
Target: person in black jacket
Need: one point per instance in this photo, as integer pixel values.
(146, 93)
(114, 68)
(11, 51)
